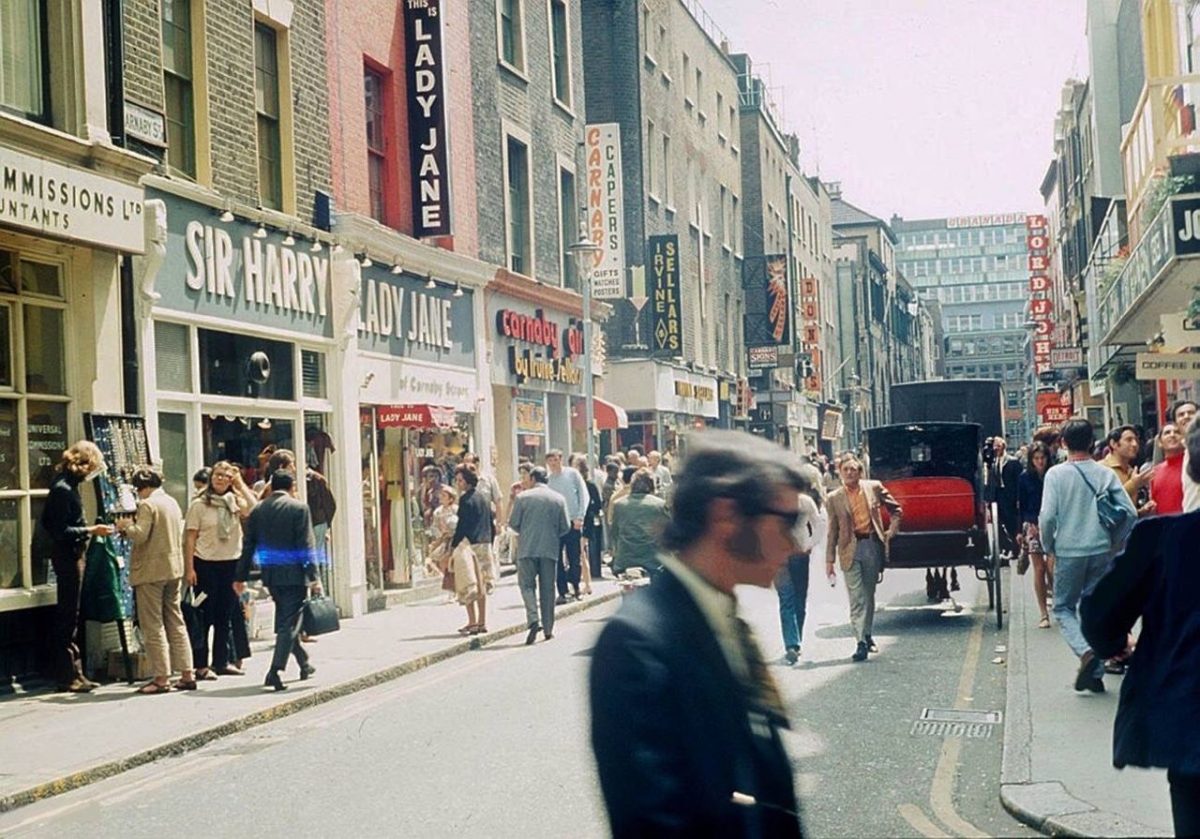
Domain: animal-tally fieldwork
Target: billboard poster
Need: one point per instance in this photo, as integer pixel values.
(427, 141)
(768, 302)
(605, 209)
(1053, 409)
(666, 320)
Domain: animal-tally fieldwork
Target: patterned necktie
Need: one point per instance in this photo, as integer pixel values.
(764, 693)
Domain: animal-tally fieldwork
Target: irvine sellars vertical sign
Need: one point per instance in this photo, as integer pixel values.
(427, 140)
(605, 209)
(666, 323)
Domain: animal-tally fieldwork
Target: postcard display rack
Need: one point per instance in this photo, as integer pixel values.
(122, 440)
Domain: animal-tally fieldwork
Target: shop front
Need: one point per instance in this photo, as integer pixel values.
(238, 349)
(420, 407)
(537, 370)
(663, 401)
(65, 230)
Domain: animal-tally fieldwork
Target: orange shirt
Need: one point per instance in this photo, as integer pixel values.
(860, 512)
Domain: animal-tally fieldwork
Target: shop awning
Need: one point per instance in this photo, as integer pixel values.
(414, 416)
(608, 416)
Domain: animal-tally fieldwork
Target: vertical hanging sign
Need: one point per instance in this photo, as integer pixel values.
(605, 210)
(427, 140)
(666, 325)
(1041, 307)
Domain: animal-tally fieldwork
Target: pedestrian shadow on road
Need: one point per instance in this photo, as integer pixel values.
(241, 691)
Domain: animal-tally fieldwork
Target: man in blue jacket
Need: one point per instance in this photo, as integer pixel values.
(1080, 544)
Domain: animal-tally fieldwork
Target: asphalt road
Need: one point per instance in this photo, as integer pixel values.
(494, 743)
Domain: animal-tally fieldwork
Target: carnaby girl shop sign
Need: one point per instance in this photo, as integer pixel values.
(225, 270)
(400, 317)
(427, 139)
(537, 348)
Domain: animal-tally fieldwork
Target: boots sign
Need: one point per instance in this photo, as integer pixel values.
(427, 140)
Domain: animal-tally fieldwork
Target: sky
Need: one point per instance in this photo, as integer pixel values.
(922, 108)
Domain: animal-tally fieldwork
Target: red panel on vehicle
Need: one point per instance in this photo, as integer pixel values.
(934, 503)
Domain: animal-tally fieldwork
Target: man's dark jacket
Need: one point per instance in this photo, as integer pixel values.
(278, 535)
(672, 732)
(1156, 578)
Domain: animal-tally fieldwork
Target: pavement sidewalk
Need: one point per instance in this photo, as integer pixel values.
(1057, 774)
(54, 742)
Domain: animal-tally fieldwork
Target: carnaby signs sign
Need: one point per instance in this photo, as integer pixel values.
(241, 272)
(605, 210)
(427, 141)
(56, 200)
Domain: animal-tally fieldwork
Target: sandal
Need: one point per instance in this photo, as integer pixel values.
(469, 629)
(153, 688)
(1044, 623)
(182, 685)
(205, 675)
(479, 629)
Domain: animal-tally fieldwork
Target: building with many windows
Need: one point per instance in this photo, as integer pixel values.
(976, 268)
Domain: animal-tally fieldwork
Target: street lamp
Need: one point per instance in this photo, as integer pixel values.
(584, 252)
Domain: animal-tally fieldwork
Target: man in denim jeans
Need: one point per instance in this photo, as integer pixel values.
(1073, 534)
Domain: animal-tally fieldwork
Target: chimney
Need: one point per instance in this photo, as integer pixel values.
(834, 188)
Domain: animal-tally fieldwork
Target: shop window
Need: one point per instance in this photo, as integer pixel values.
(44, 361)
(172, 357)
(47, 436)
(230, 365)
(266, 101)
(24, 68)
(10, 543)
(178, 85)
(41, 278)
(172, 444)
(10, 464)
(6, 347)
(312, 374)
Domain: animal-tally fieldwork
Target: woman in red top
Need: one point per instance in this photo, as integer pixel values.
(1166, 485)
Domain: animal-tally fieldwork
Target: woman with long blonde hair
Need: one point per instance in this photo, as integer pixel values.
(69, 532)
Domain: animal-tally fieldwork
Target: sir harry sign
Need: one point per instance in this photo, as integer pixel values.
(427, 140)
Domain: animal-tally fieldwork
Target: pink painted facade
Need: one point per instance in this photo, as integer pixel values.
(370, 34)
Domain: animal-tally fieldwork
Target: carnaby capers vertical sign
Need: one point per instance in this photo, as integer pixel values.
(427, 140)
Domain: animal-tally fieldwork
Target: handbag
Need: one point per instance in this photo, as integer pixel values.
(1113, 517)
(320, 616)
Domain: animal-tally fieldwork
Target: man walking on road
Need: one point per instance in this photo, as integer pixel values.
(858, 540)
(1073, 535)
(570, 485)
(685, 715)
(539, 518)
(1123, 447)
(1008, 471)
(279, 530)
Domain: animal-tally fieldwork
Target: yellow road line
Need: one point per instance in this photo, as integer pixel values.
(920, 822)
(941, 793)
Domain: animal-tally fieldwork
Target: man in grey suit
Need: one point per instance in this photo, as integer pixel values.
(279, 530)
(539, 517)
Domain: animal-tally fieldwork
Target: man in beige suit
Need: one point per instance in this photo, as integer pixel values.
(859, 542)
(156, 574)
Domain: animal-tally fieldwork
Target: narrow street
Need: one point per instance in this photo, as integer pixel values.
(495, 742)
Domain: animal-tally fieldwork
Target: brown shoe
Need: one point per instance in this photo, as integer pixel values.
(77, 686)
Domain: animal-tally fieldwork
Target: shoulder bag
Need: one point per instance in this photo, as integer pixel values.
(1113, 517)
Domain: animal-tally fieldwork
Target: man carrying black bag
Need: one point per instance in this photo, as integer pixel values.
(279, 535)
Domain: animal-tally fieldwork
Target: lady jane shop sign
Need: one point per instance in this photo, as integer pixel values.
(400, 316)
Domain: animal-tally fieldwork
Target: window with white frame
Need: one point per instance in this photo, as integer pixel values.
(517, 206)
(178, 85)
(35, 402)
(268, 104)
(512, 33)
(568, 225)
(560, 52)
